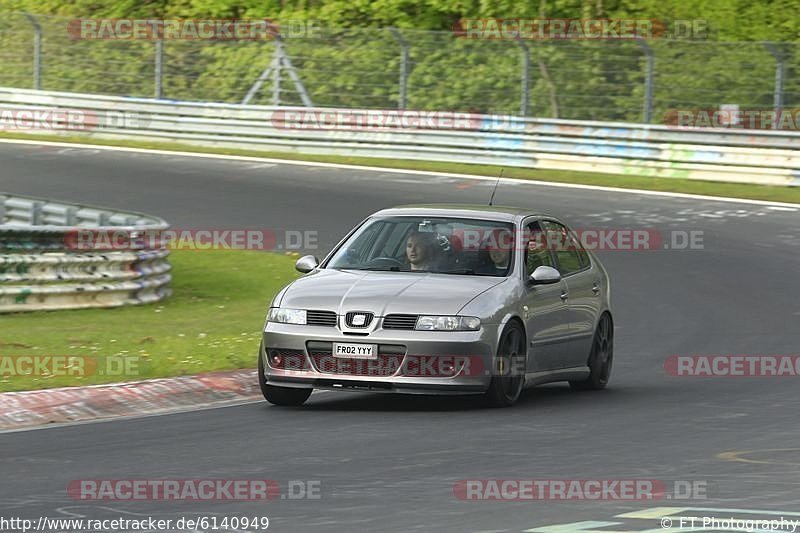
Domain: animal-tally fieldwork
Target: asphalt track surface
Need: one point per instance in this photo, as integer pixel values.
(389, 463)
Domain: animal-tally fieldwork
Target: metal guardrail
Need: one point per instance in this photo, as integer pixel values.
(41, 268)
(730, 155)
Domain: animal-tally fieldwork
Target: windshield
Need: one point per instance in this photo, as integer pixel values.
(430, 244)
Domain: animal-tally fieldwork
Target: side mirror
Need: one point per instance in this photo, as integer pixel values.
(306, 264)
(544, 275)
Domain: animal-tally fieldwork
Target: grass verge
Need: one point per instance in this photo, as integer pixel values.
(711, 188)
(212, 322)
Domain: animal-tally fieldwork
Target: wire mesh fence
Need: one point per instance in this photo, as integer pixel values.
(625, 80)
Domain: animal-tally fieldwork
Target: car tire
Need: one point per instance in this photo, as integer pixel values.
(601, 357)
(507, 384)
(284, 396)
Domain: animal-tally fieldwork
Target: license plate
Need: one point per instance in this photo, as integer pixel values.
(355, 351)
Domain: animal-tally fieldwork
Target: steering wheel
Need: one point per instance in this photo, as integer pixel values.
(384, 261)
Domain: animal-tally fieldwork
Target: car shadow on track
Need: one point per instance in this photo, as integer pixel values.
(547, 396)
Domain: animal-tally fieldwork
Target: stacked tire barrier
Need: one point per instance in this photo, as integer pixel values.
(717, 154)
(43, 264)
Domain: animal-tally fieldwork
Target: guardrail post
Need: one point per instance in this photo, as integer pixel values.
(36, 213)
(159, 69)
(71, 216)
(648, 80)
(780, 76)
(402, 98)
(525, 77)
(37, 51)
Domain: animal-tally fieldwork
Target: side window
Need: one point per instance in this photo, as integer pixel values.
(537, 253)
(569, 253)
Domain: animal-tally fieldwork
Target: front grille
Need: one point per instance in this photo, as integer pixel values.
(288, 359)
(348, 319)
(390, 358)
(321, 318)
(399, 321)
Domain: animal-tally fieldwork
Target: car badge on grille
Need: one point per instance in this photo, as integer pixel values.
(359, 320)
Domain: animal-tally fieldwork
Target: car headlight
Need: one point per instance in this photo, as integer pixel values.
(287, 316)
(448, 323)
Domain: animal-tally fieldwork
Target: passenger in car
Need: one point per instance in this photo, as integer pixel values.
(495, 256)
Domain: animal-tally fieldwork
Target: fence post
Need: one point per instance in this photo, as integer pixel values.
(298, 84)
(37, 51)
(648, 80)
(276, 73)
(402, 98)
(159, 69)
(780, 77)
(261, 79)
(525, 77)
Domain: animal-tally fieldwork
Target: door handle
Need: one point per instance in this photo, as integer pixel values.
(596, 288)
(564, 295)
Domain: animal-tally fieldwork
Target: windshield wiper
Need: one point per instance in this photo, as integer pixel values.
(469, 271)
(379, 269)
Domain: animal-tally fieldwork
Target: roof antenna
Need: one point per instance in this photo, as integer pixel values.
(495, 186)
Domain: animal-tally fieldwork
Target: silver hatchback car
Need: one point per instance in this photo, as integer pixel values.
(442, 299)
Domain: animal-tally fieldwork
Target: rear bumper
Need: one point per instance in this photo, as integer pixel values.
(411, 362)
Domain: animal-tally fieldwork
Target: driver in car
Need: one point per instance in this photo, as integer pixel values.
(421, 251)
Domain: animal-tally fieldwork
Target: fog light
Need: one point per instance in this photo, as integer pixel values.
(275, 358)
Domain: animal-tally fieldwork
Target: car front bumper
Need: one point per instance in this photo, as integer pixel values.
(421, 362)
